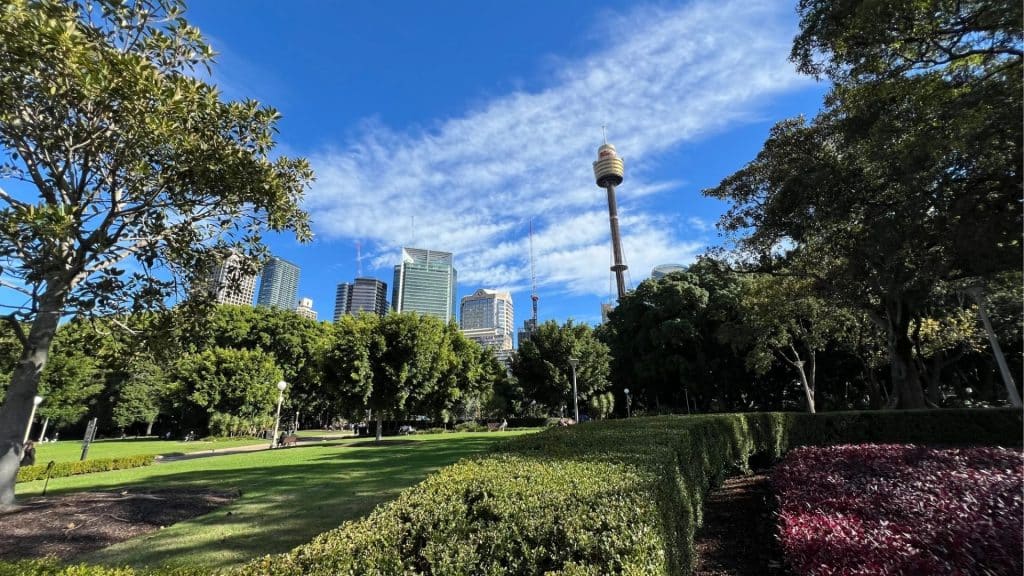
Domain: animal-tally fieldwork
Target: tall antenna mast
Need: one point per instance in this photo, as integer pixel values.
(533, 277)
(359, 259)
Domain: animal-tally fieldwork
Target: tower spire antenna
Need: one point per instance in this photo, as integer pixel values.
(359, 259)
(604, 132)
(533, 278)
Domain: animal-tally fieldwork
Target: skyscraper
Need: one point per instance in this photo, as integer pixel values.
(279, 284)
(487, 317)
(229, 285)
(425, 283)
(363, 295)
(305, 309)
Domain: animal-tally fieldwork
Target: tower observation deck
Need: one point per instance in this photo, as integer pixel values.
(608, 171)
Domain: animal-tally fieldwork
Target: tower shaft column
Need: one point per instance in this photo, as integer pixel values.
(613, 217)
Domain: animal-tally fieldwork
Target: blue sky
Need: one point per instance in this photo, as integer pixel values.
(450, 125)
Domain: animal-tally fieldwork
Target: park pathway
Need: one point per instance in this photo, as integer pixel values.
(303, 441)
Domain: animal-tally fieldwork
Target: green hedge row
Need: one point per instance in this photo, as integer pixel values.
(62, 469)
(612, 497)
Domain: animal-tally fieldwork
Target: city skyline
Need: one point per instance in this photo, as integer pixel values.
(507, 131)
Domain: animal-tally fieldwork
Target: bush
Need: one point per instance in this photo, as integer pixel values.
(901, 509)
(63, 469)
(611, 497)
(470, 427)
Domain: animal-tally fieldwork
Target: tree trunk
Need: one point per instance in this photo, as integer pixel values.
(42, 433)
(380, 425)
(808, 391)
(149, 427)
(906, 381)
(24, 385)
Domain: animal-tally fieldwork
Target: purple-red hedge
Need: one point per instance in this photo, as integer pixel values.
(891, 509)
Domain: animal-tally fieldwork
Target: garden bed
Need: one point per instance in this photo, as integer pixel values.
(69, 525)
(901, 509)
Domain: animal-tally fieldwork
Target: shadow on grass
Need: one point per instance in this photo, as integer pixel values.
(282, 504)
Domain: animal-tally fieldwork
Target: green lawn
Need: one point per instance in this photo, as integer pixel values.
(71, 450)
(288, 496)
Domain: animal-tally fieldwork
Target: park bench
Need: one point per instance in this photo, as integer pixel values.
(290, 440)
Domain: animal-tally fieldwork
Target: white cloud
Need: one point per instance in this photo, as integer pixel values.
(471, 184)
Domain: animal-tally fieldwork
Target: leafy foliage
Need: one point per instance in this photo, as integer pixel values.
(908, 182)
(223, 380)
(613, 497)
(544, 375)
(901, 509)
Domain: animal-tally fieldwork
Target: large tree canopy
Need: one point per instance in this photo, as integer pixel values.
(909, 179)
(125, 176)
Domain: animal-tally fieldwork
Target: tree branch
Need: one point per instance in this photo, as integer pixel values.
(18, 330)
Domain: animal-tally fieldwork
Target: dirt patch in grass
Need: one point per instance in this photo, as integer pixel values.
(738, 536)
(68, 525)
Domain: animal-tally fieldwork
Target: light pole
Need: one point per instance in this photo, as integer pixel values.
(31, 416)
(575, 399)
(277, 419)
(626, 390)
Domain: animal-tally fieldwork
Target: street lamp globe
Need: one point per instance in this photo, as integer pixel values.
(626, 391)
(282, 385)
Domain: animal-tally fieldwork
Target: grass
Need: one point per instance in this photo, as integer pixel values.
(288, 496)
(71, 450)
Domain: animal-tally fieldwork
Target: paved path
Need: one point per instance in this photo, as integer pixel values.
(303, 441)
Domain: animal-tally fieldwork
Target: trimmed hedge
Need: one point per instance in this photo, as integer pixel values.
(62, 469)
(611, 497)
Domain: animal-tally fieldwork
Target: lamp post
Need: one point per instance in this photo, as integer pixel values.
(575, 399)
(626, 391)
(28, 427)
(277, 419)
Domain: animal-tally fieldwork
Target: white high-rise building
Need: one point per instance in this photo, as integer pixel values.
(487, 317)
(305, 309)
(230, 285)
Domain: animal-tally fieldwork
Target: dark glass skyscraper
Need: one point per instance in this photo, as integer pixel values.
(363, 295)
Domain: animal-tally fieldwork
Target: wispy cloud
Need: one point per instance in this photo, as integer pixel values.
(471, 184)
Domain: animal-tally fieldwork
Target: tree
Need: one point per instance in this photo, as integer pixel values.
(783, 320)
(241, 383)
(669, 343)
(388, 364)
(120, 155)
(141, 396)
(909, 179)
(541, 365)
(68, 384)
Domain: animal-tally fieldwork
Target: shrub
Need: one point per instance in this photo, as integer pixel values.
(62, 469)
(901, 509)
(470, 426)
(610, 497)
